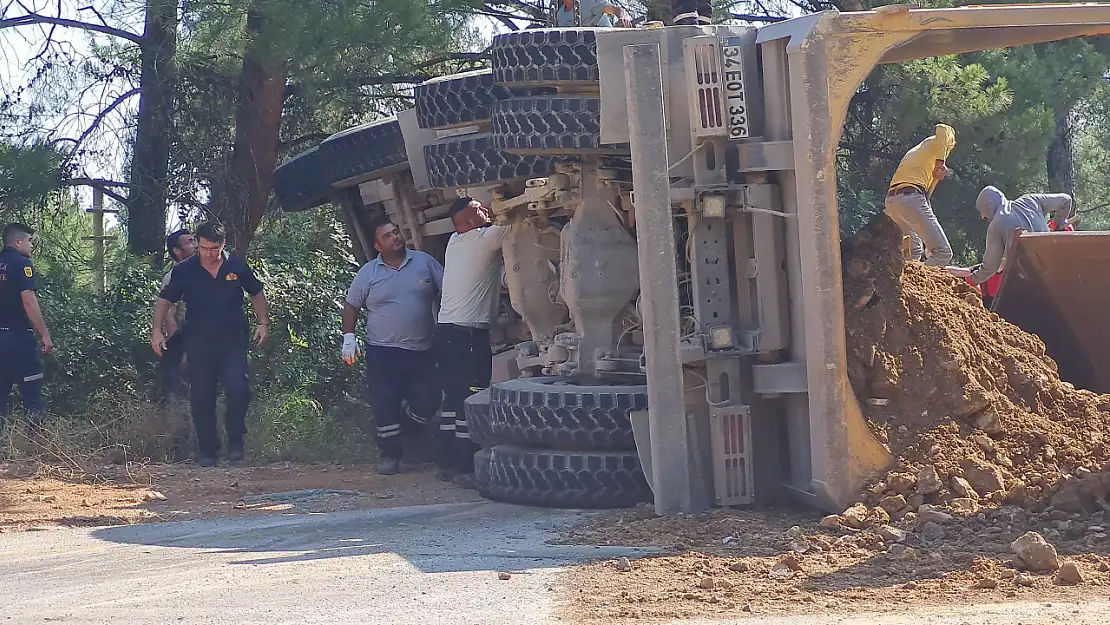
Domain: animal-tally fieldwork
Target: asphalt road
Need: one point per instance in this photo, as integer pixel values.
(418, 565)
(425, 565)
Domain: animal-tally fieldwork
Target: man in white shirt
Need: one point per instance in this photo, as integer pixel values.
(468, 305)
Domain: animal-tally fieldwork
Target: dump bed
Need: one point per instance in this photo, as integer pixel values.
(1057, 286)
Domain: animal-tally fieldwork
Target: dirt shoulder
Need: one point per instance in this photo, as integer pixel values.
(34, 496)
(737, 563)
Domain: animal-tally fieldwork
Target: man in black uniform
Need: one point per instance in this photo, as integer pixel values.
(217, 341)
(20, 317)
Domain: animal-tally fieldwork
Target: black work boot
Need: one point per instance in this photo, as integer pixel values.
(206, 461)
(446, 474)
(389, 466)
(235, 451)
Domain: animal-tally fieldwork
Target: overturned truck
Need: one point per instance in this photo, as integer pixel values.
(675, 266)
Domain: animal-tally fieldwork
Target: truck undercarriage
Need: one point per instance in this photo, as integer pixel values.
(675, 266)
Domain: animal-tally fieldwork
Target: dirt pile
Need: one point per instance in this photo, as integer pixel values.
(998, 491)
(971, 406)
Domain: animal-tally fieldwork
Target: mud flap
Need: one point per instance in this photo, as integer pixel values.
(642, 436)
(841, 473)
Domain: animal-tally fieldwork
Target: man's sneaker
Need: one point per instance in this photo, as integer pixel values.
(235, 452)
(445, 475)
(388, 466)
(206, 461)
(466, 480)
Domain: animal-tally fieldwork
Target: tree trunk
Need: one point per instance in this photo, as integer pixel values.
(146, 207)
(1061, 162)
(240, 199)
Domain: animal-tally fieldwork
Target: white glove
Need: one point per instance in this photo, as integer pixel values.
(351, 352)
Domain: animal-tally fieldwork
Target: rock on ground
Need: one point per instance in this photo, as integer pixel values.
(1069, 574)
(1035, 552)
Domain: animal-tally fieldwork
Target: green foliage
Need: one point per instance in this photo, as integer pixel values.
(898, 106)
(290, 425)
(345, 62)
(101, 381)
(28, 174)
(1092, 146)
(307, 268)
(1004, 105)
(101, 339)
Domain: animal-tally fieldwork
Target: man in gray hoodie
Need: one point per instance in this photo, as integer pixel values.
(1027, 214)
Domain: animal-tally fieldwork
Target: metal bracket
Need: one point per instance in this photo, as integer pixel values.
(540, 194)
(765, 156)
(785, 377)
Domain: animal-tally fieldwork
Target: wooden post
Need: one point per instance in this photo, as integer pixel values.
(100, 271)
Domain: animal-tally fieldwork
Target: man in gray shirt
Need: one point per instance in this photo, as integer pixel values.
(398, 290)
(1026, 214)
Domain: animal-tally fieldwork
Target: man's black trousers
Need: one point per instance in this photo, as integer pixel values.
(397, 376)
(216, 361)
(21, 365)
(170, 373)
(465, 367)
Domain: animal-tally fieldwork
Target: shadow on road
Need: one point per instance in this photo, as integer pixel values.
(436, 538)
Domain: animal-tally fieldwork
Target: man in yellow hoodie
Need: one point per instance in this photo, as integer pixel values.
(907, 198)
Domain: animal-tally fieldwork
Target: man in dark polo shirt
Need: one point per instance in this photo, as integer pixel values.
(20, 316)
(398, 289)
(216, 344)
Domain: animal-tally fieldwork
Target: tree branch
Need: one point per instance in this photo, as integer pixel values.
(415, 75)
(491, 11)
(758, 18)
(294, 143)
(35, 18)
(101, 115)
(868, 151)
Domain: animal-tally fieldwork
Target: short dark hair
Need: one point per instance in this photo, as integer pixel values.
(376, 224)
(172, 241)
(459, 206)
(211, 231)
(14, 231)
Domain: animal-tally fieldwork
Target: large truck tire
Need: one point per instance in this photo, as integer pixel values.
(473, 161)
(546, 57)
(457, 100)
(302, 182)
(566, 479)
(549, 124)
(482, 472)
(477, 418)
(366, 150)
(550, 412)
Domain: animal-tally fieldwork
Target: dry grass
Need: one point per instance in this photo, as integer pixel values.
(117, 430)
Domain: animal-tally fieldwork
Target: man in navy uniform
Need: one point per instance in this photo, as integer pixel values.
(20, 317)
(217, 341)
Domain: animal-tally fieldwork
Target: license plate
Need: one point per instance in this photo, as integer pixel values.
(736, 97)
